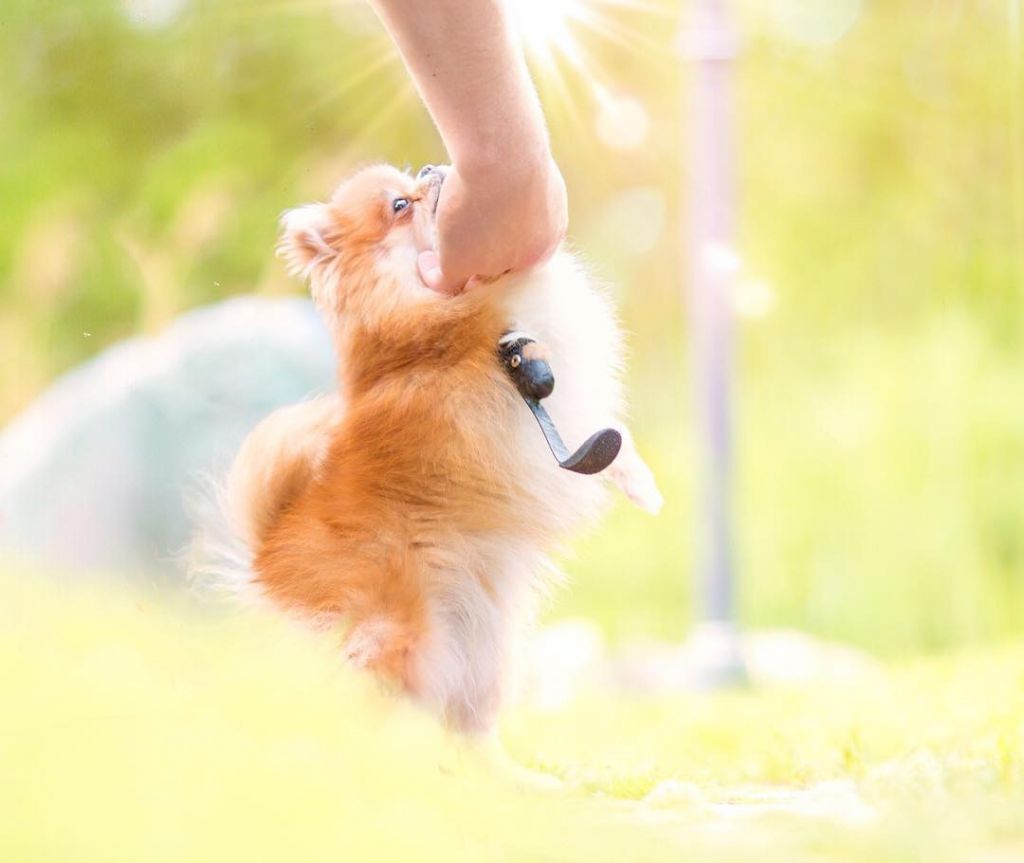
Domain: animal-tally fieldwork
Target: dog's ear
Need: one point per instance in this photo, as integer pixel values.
(304, 241)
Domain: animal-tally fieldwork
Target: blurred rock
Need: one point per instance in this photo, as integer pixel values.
(94, 474)
(781, 656)
(769, 658)
(571, 656)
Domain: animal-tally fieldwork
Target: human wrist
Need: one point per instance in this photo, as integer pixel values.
(511, 139)
(510, 158)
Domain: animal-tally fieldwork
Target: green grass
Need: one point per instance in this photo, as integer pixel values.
(132, 731)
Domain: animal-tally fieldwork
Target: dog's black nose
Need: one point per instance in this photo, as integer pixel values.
(426, 169)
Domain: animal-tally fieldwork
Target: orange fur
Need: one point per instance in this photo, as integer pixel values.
(407, 513)
(277, 462)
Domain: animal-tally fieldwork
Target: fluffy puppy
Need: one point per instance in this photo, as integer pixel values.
(418, 504)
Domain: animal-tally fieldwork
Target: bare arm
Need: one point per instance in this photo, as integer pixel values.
(503, 206)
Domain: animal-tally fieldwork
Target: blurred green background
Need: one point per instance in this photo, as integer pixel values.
(147, 147)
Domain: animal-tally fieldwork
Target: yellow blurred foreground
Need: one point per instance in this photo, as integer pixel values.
(133, 731)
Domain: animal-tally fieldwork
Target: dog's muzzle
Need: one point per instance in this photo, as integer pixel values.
(434, 174)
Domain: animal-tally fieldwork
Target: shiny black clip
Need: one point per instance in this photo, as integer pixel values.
(535, 381)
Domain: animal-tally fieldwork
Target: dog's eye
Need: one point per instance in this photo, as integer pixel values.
(399, 204)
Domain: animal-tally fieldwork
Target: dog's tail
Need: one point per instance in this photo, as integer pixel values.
(219, 556)
(278, 459)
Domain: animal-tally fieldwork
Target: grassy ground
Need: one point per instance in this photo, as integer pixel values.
(136, 732)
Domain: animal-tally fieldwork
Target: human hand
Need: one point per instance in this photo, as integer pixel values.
(494, 219)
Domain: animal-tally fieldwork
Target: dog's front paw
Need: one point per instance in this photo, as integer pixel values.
(632, 475)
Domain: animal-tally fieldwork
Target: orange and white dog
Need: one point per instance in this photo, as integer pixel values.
(418, 504)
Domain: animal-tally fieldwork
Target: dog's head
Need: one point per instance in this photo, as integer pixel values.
(359, 249)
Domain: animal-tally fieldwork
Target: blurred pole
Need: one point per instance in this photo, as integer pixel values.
(711, 46)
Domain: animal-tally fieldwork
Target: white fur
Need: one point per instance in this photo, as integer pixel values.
(559, 305)
(464, 666)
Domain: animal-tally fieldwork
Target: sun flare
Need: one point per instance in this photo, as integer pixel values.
(546, 26)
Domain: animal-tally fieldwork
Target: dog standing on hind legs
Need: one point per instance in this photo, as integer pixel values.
(418, 505)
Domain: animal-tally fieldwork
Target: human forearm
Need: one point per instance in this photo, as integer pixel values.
(503, 205)
(473, 79)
